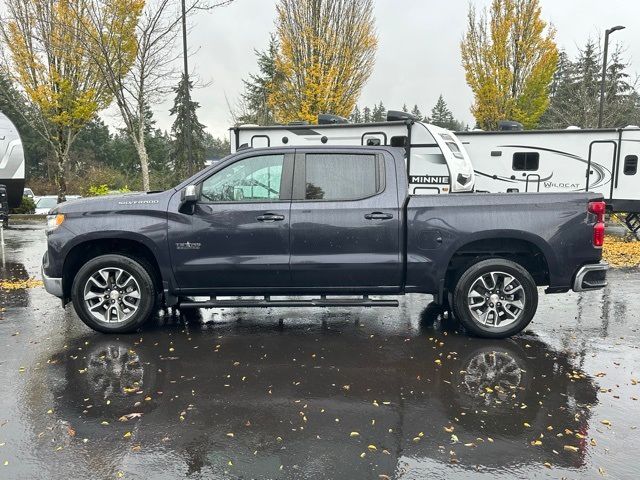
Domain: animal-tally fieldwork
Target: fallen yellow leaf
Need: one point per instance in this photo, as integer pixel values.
(20, 284)
(621, 253)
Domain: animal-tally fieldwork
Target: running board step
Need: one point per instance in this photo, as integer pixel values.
(313, 302)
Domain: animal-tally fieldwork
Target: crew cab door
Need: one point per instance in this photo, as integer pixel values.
(237, 234)
(345, 221)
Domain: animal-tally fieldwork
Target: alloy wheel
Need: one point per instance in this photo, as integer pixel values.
(112, 295)
(496, 299)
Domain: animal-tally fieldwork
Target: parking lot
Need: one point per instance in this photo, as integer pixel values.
(316, 393)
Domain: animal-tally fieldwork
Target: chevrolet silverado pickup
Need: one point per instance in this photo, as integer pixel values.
(333, 224)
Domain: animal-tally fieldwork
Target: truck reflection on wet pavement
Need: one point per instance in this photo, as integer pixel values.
(390, 393)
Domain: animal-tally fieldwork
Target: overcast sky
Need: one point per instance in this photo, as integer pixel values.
(418, 51)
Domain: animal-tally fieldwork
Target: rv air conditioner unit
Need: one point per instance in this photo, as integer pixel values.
(395, 116)
(509, 126)
(329, 119)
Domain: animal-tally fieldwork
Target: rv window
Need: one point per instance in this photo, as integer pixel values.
(374, 138)
(526, 161)
(340, 176)
(260, 141)
(630, 164)
(399, 141)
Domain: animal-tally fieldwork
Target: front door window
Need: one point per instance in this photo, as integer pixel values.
(251, 179)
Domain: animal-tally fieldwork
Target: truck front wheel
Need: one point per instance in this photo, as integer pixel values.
(113, 294)
(495, 298)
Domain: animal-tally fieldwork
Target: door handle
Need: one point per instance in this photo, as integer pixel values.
(270, 217)
(378, 216)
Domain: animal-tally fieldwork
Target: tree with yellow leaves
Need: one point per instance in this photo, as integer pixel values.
(326, 54)
(509, 60)
(48, 59)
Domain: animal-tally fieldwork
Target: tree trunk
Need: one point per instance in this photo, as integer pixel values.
(61, 158)
(141, 148)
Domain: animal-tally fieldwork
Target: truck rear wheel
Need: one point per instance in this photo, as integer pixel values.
(495, 298)
(113, 294)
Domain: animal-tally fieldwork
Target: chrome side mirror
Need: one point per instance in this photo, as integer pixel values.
(189, 194)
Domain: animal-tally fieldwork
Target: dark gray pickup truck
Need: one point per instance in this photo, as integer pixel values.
(336, 224)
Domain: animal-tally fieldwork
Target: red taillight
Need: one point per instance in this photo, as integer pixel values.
(598, 209)
(598, 234)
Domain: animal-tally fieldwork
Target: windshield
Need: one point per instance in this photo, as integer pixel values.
(47, 202)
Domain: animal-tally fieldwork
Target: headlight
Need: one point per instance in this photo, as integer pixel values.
(53, 221)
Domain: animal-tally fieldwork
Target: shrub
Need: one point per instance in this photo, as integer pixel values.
(27, 206)
(97, 190)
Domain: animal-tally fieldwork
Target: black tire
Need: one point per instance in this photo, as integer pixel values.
(463, 313)
(147, 303)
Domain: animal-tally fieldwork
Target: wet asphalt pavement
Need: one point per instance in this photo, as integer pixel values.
(329, 393)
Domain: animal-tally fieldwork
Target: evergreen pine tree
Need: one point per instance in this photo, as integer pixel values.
(416, 112)
(356, 116)
(442, 116)
(379, 113)
(188, 133)
(575, 96)
(366, 115)
(255, 107)
(216, 148)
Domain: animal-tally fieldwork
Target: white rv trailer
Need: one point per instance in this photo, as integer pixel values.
(11, 161)
(436, 160)
(602, 160)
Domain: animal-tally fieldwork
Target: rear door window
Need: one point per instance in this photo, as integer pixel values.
(341, 176)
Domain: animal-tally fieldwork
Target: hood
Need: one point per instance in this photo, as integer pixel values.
(114, 203)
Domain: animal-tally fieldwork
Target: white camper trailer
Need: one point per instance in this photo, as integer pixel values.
(11, 161)
(603, 161)
(436, 160)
